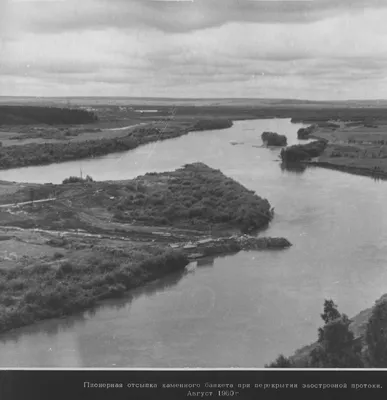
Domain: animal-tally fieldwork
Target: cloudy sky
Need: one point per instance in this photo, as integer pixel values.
(305, 49)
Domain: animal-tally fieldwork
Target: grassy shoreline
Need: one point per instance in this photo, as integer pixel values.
(35, 154)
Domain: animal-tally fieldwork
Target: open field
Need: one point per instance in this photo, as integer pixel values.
(359, 148)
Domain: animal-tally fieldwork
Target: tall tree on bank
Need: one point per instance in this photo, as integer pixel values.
(337, 347)
(376, 336)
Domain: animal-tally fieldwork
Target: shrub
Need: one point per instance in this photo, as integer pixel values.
(58, 255)
(65, 268)
(303, 152)
(77, 179)
(303, 133)
(40, 269)
(274, 139)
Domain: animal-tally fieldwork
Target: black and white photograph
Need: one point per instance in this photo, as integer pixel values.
(193, 184)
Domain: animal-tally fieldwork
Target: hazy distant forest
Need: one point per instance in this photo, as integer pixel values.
(22, 115)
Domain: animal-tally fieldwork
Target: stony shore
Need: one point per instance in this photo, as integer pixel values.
(233, 244)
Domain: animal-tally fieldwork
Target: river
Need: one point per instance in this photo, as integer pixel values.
(235, 311)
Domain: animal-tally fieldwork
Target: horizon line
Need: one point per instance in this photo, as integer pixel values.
(194, 98)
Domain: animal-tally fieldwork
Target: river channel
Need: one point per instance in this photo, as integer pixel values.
(235, 311)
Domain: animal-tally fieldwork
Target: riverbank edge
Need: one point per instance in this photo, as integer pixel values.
(347, 168)
(105, 146)
(350, 169)
(149, 270)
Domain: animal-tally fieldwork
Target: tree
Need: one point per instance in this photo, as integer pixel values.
(376, 336)
(281, 362)
(330, 311)
(337, 347)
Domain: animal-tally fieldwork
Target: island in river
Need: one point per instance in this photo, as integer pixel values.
(66, 247)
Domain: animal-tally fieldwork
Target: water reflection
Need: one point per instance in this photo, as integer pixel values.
(295, 168)
(152, 288)
(205, 262)
(50, 328)
(377, 178)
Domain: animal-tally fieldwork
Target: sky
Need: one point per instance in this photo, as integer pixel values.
(305, 49)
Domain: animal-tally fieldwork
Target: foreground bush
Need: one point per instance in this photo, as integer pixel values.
(29, 294)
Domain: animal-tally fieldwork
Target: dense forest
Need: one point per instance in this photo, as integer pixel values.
(195, 196)
(337, 346)
(33, 115)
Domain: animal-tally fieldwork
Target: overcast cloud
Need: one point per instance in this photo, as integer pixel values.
(321, 49)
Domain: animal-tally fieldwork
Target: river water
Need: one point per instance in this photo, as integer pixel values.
(235, 311)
